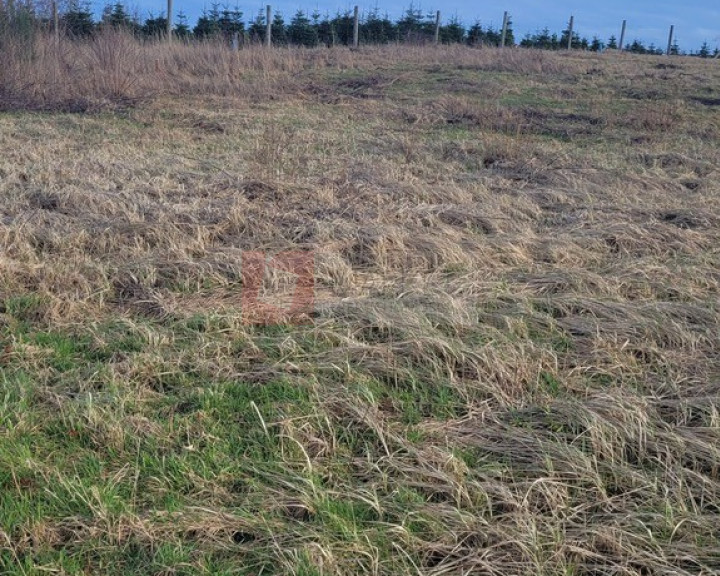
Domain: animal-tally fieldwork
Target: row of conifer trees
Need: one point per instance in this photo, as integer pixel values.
(309, 30)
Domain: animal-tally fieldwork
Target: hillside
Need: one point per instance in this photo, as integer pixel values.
(511, 365)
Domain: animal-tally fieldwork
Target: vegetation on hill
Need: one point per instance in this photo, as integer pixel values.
(310, 30)
(513, 364)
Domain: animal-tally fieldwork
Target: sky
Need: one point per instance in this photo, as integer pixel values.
(695, 21)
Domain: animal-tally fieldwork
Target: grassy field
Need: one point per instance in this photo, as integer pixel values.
(513, 367)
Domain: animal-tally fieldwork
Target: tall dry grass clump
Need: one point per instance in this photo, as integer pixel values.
(72, 75)
(115, 69)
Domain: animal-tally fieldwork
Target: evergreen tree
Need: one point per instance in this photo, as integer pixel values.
(154, 27)
(207, 25)
(342, 26)
(475, 34)
(116, 16)
(493, 37)
(376, 29)
(257, 27)
(230, 22)
(427, 26)
(704, 50)
(301, 31)
(576, 41)
(541, 39)
(326, 32)
(527, 41)
(546, 41)
(78, 19)
(597, 45)
(182, 28)
(636, 47)
(612, 43)
(278, 30)
(453, 32)
(410, 26)
(510, 34)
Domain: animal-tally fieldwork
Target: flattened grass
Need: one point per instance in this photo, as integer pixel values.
(512, 368)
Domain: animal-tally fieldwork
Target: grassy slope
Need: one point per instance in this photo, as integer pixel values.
(514, 365)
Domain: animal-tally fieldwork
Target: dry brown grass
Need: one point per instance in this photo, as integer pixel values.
(513, 367)
(114, 70)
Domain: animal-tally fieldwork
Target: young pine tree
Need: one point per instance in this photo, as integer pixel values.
(475, 34)
(376, 29)
(117, 16)
(342, 25)
(301, 31)
(326, 32)
(453, 32)
(279, 30)
(182, 28)
(78, 19)
(409, 27)
(230, 22)
(154, 27)
(257, 27)
(207, 25)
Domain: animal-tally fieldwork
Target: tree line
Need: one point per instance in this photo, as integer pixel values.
(314, 29)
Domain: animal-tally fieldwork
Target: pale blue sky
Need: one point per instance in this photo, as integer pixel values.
(695, 21)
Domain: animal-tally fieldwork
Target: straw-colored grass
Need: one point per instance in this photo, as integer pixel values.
(512, 367)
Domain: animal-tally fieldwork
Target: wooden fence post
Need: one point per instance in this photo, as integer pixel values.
(622, 36)
(268, 26)
(356, 28)
(570, 32)
(437, 28)
(670, 39)
(504, 30)
(56, 22)
(168, 30)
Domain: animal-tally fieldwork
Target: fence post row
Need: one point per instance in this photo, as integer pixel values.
(268, 26)
(356, 28)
